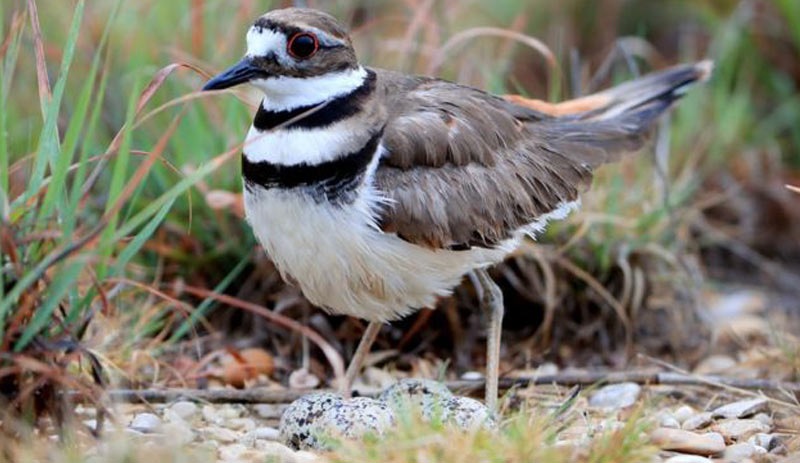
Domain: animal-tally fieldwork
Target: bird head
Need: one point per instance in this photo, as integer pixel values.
(294, 52)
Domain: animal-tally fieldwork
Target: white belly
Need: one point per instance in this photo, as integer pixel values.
(344, 263)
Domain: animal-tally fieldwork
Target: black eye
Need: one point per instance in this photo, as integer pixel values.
(303, 45)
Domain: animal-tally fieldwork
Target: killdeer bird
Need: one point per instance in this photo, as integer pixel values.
(376, 192)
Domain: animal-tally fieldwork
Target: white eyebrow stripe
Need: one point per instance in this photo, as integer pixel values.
(261, 41)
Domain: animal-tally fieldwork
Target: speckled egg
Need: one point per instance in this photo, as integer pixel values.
(435, 402)
(357, 417)
(468, 414)
(310, 421)
(298, 426)
(426, 395)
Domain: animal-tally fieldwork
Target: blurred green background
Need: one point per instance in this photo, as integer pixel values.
(705, 205)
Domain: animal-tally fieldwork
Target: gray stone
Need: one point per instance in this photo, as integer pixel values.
(741, 409)
(184, 409)
(699, 421)
(734, 430)
(616, 396)
(739, 452)
(687, 441)
(146, 423)
(765, 441)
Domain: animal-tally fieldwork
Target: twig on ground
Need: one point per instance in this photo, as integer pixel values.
(257, 395)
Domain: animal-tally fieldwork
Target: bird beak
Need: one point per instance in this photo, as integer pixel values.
(239, 73)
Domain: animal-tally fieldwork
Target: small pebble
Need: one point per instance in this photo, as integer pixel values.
(741, 409)
(91, 424)
(687, 459)
(211, 415)
(666, 419)
(734, 430)
(184, 409)
(739, 452)
(699, 421)
(269, 411)
(763, 418)
(683, 413)
(266, 433)
(178, 432)
(616, 396)
(232, 452)
(146, 423)
(766, 441)
(303, 379)
(714, 365)
(472, 376)
(241, 424)
(219, 434)
(687, 441)
(305, 457)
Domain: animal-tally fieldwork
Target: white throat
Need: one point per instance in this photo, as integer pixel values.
(286, 93)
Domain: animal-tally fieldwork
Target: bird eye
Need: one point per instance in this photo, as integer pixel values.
(303, 45)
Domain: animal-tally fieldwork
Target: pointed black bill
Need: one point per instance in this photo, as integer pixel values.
(239, 73)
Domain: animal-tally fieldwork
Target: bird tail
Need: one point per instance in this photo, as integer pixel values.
(606, 124)
(667, 85)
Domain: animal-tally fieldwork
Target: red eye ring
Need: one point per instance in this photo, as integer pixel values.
(302, 45)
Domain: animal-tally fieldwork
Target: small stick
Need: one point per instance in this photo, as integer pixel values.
(257, 395)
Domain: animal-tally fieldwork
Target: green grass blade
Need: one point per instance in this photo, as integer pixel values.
(78, 127)
(6, 77)
(119, 176)
(135, 245)
(208, 304)
(65, 279)
(49, 149)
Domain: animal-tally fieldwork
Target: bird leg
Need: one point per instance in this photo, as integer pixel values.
(491, 301)
(367, 339)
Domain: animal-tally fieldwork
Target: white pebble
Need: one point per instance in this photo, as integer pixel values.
(184, 409)
(683, 413)
(146, 423)
(266, 433)
(472, 376)
(221, 435)
(616, 396)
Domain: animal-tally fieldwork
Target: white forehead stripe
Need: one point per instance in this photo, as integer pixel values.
(261, 41)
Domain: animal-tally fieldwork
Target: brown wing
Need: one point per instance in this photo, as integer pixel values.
(464, 168)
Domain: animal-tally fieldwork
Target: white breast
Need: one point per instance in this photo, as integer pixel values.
(343, 262)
